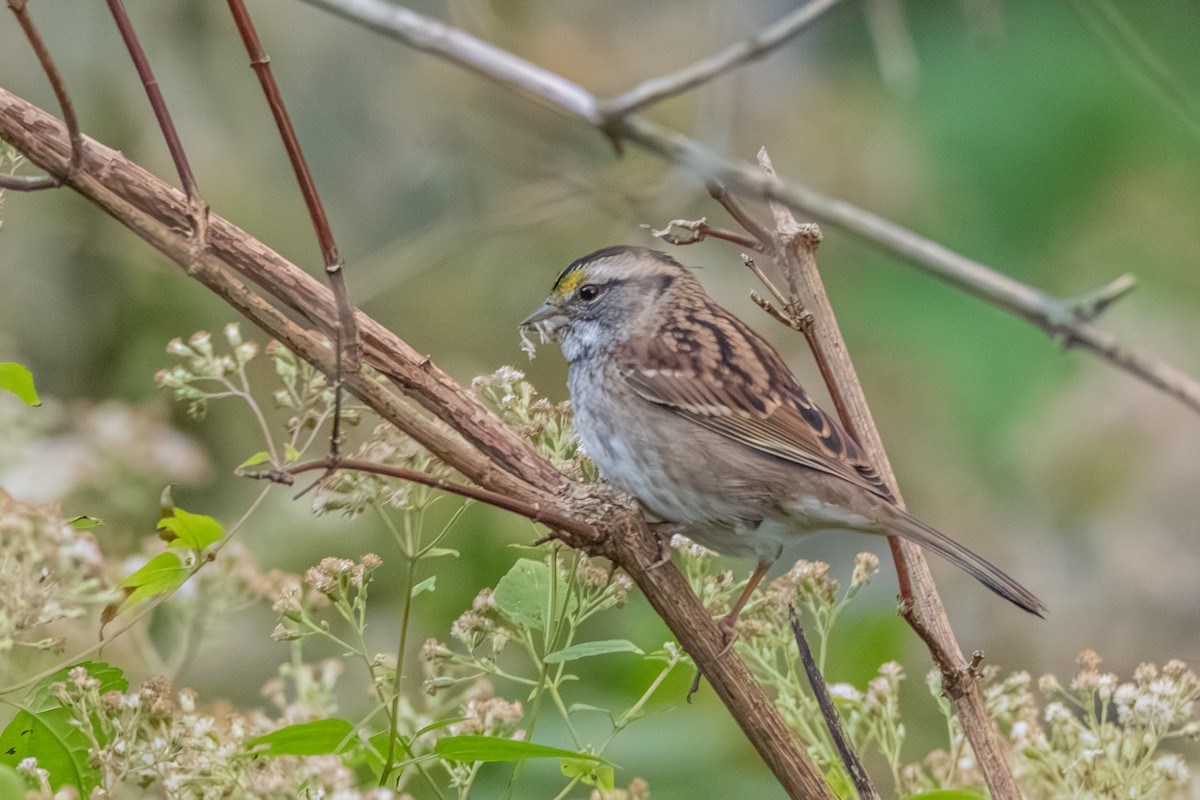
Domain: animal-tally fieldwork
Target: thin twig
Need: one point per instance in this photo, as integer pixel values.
(854, 766)
(154, 94)
(761, 44)
(30, 183)
(346, 340)
(700, 230)
(741, 216)
(532, 511)
(1057, 317)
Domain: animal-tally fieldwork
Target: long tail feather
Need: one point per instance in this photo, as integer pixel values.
(909, 527)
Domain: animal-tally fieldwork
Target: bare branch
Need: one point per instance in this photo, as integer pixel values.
(1086, 307)
(28, 183)
(347, 330)
(761, 44)
(976, 279)
(743, 217)
(488, 60)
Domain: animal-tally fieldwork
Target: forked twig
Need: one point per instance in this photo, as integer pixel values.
(761, 44)
(700, 230)
(793, 247)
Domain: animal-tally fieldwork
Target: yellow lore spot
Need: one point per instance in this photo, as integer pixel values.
(568, 282)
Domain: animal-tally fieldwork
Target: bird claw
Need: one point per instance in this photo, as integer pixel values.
(728, 628)
(695, 687)
(662, 532)
(729, 635)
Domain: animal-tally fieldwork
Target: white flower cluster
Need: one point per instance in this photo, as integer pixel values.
(154, 741)
(49, 572)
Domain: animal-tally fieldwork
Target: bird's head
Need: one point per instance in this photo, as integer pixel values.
(605, 297)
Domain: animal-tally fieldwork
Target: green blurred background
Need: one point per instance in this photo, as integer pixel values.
(1005, 130)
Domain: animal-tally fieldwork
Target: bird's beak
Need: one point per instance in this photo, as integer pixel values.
(547, 313)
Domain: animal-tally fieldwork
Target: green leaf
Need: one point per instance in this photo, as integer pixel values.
(586, 649)
(427, 585)
(261, 457)
(433, 726)
(522, 594)
(317, 738)
(160, 574)
(438, 552)
(44, 730)
(492, 748)
(588, 772)
(947, 794)
(83, 522)
(11, 782)
(18, 380)
(59, 747)
(185, 529)
(290, 453)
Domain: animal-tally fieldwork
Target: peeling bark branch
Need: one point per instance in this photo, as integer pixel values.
(464, 433)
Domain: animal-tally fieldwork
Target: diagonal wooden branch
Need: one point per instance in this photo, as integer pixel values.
(464, 433)
(794, 248)
(1068, 320)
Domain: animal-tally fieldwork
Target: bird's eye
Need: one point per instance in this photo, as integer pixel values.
(589, 292)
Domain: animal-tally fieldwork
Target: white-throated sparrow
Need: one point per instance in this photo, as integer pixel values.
(683, 406)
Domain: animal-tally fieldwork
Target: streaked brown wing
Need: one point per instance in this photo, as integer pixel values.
(712, 368)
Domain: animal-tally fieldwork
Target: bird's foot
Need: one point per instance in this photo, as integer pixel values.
(695, 687)
(663, 533)
(728, 628)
